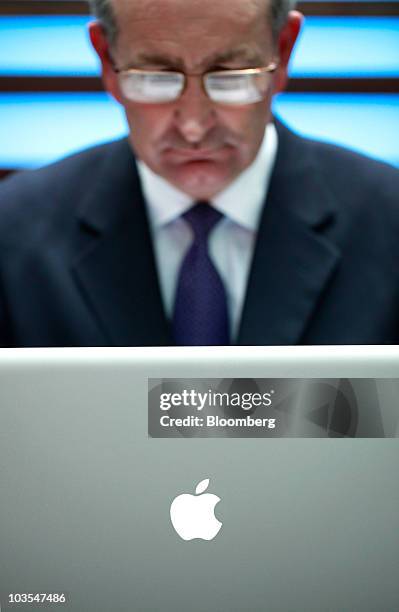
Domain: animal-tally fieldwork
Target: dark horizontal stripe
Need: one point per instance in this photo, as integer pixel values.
(4, 173)
(94, 84)
(349, 9)
(79, 7)
(43, 7)
(341, 85)
(42, 84)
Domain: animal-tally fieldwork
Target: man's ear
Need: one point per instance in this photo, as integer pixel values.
(100, 43)
(286, 41)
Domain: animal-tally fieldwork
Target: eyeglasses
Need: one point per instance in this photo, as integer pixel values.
(234, 87)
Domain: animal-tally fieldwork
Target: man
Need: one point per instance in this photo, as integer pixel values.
(223, 226)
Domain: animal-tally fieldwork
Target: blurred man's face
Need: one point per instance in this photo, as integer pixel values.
(197, 145)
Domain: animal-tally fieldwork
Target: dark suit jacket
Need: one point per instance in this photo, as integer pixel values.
(77, 266)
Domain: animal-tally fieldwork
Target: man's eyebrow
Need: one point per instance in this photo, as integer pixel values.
(240, 53)
(148, 58)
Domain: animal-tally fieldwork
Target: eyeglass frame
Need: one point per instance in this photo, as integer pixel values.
(270, 68)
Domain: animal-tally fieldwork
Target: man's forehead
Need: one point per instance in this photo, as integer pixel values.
(192, 33)
(145, 10)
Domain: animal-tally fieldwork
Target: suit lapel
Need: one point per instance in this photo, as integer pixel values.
(115, 269)
(293, 260)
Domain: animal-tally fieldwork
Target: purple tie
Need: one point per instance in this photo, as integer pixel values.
(200, 315)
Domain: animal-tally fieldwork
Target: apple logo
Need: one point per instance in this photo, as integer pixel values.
(193, 516)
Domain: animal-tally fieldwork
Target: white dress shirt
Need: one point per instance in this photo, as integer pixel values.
(231, 243)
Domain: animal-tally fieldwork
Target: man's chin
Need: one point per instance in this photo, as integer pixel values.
(201, 180)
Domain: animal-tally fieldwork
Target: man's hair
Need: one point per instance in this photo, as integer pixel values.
(102, 10)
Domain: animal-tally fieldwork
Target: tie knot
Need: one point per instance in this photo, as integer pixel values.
(202, 217)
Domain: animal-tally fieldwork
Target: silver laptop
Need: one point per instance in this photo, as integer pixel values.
(212, 480)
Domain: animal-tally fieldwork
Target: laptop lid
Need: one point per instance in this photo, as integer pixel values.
(119, 491)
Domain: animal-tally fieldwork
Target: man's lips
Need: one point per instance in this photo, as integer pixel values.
(196, 154)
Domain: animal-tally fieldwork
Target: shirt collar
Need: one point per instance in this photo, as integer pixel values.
(166, 203)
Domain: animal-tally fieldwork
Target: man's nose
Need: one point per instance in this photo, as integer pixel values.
(195, 113)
